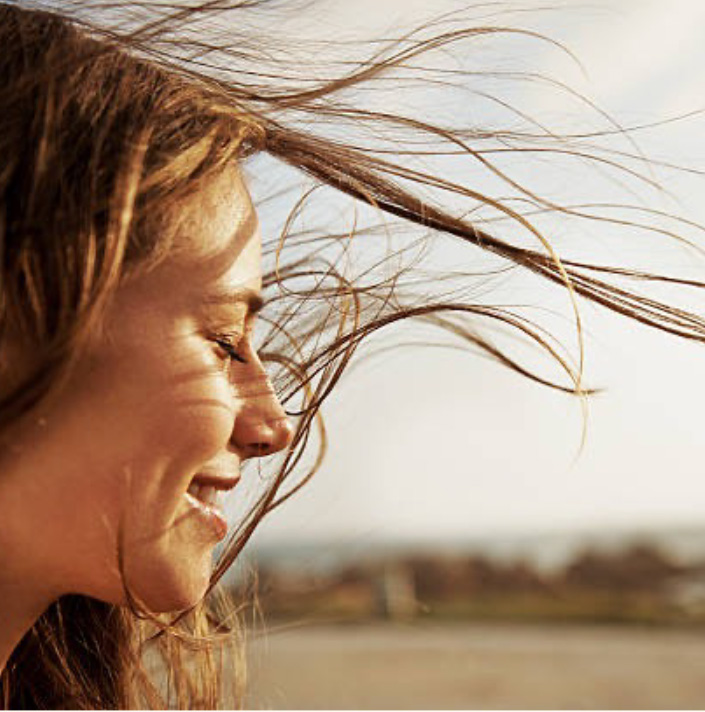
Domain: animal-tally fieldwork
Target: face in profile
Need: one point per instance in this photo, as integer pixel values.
(151, 431)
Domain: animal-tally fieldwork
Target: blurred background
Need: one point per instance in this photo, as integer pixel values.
(458, 548)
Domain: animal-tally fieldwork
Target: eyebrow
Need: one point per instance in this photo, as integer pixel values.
(250, 297)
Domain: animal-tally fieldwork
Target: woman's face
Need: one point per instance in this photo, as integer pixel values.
(170, 396)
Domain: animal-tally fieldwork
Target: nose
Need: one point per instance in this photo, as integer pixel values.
(261, 426)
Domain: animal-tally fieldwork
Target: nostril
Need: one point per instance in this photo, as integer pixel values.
(258, 433)
(278, 436)
(261, 449)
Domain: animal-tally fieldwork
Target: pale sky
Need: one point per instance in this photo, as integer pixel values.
(429, 445)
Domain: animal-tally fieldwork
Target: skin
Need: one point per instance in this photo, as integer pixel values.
(155, 401)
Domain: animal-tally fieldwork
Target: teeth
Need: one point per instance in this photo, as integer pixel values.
(205, 493)
(209, 495)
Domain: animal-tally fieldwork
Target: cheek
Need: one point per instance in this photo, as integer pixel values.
(174, 401)
(193, 423)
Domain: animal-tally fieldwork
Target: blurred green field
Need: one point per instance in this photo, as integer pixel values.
(579, 607)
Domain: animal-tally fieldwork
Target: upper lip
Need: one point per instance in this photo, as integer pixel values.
(220, 482)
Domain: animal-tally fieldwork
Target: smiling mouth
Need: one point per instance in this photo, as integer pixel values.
(204, 499)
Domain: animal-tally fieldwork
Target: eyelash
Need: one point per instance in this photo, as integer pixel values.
(226, 344)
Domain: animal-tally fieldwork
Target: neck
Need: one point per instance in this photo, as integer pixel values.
(25, 591)
(20, 606)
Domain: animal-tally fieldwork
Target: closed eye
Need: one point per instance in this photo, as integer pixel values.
(229, 348)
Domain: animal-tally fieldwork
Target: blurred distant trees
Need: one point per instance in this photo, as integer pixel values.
(640, 583)
(640, 567)
(438, 577)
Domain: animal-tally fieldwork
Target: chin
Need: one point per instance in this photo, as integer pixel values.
(171, 584)
(168, 597)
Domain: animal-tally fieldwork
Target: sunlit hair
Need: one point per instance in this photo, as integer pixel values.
(104, 132)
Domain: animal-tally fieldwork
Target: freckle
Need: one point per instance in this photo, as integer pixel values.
(42, 422)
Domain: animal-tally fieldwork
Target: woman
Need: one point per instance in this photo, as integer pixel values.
(131, 389)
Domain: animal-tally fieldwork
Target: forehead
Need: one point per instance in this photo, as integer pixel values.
(217, 238)
(216, 220)
(215, 251)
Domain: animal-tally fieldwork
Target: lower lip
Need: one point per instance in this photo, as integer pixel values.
(208, 515)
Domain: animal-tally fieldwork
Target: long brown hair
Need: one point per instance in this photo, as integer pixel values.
(102, 134)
